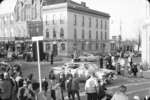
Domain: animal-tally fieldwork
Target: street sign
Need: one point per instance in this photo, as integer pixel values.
(35, 28)
(37, 38)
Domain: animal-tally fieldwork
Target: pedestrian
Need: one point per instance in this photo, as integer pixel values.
(52, 86)
(7, 87)
(62, 80)
(91, 87)
(68, 87)
(52, 58)
(134, 70)
(51, 75)
(101, 61)
(58, 91)
(44, 94)
(75, 87)
(121, 94)
(130, 60)
(101, 90)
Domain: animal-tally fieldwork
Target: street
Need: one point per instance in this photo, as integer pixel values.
(134, 89)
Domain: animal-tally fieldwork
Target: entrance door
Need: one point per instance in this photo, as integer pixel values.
(55, 51)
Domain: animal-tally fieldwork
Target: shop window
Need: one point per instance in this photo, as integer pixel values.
(63, 46)
(48, 47)
(90, 22)
(83, 45)
(90, 45)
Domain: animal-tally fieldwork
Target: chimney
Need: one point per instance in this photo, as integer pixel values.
(83, 4)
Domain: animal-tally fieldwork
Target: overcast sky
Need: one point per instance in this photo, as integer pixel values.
(129, 13)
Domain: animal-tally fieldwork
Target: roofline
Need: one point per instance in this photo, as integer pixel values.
(90, 11)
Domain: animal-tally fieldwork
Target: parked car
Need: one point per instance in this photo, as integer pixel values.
(88, 57)
(83, 71)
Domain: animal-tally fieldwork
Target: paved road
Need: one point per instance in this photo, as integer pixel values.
(141, 89)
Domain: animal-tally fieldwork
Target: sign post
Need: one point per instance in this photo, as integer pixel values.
(37, 39)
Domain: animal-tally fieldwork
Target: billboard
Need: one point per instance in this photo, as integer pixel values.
(35, 28)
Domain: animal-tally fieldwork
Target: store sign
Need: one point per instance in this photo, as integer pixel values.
(35, 28)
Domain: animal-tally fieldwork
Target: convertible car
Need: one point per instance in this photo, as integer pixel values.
(83, 71)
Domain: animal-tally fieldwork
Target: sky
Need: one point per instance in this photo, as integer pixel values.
(126, 15)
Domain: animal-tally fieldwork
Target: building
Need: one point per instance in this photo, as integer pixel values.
(14, 18)
(69, 27)
(145, 44)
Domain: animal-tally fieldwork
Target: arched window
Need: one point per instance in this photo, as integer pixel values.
(62, 32)
(75, 34)
(54, 33)
(63, 47)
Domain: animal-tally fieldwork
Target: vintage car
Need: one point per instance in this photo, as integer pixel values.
(88, 57)
(83, 71)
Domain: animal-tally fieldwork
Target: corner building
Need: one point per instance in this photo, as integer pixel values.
(69, 27)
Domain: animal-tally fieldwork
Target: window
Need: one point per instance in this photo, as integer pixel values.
(48, 47)
(90, 46)
(83, 34)
(54, 21)
(61, 32)
(83, 45)
(101, 24)
(63, 47)
(32, 2)
(82, 20)
(105, 25)
(75, 34)
(75, 20)
(96, 45)
(90, 22)
(47, 33)
(96, 35)
(105, 35)
(96, 23)
(90, 34)
(62, 19)
(101, 35)
(54, 33)
(46, 20)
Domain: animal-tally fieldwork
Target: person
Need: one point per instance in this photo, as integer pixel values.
(75, 87)
(44, 94)
(52, 84)
(52, 58)
(101, 61)
(130, 61)
(68, 87)
(134, 70)
(121, 94)
(7, 87)
(101, 90)
(62, 80)
(91, 87)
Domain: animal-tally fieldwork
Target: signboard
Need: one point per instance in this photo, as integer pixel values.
(35, 28)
